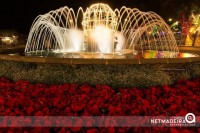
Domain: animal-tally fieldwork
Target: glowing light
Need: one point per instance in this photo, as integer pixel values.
(187, 55)
(103, 36)
(170, 19)
(176, 23)
(99, 14)
(71, 20)
(192, 30)
(161, 54)
(7, 40)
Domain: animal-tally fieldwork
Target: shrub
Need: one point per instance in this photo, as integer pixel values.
(194, 69)
(113, 75)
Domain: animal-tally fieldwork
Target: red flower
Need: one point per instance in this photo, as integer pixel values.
(179, 100)
(145, 105)
(27, 121)
(15, 130)
(182, 112)
(2, 101)
(23, 98)
(111, 130)
(155, 91)
(122, 130)
(93, 130)
(83, 98)
(62, 130)
(85, 113)
(94, 110)
(75, 107)
(89, 122)
(112, 110)
(77, 125)
(173, 108)
(174, 130)
(38, 130)
(110, 123)
(86, 89)
(191, 106)
(193, 84)
(10, 102)
(166, 89)
(39, 113)
(22, 84)
(70, 89)
(30, 110)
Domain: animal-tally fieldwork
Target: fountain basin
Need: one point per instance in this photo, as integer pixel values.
(18, 54)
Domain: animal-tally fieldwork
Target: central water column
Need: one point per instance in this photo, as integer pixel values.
(99, 25)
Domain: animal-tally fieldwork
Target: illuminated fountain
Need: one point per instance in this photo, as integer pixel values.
(100, 32)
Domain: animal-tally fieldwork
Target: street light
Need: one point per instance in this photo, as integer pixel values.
(170, 19)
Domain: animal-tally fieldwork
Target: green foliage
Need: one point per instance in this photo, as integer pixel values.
(113, 75)
(194, 69)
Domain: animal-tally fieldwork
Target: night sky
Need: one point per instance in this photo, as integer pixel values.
(19, 14)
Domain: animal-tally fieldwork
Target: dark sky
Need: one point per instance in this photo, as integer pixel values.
(19, 14)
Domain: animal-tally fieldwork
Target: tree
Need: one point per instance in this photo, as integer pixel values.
(195, 19)
(189, 19)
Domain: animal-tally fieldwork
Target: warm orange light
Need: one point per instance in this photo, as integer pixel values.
(7, 40)
(192, 30)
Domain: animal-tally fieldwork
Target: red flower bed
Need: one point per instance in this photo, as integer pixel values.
(26, 99)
